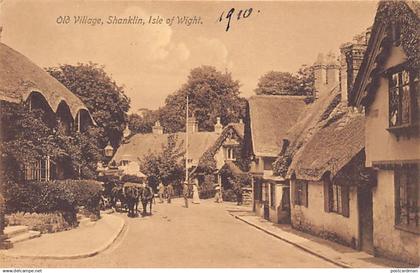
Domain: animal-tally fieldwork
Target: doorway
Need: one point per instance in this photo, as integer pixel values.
(365, 219)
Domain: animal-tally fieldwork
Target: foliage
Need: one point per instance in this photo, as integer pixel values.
(285, 83)
(43, 222)
(27, 137)
(229, 195)
(105, 100)
(166, 167)
(398, 12)
(142, 124)
(207, 189)
(41, 197)
(53, 196)
(211, 94)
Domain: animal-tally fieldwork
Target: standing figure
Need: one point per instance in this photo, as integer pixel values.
(169, 192)
(196, 196)
(161, 191)
(185, 193)
(218, 195)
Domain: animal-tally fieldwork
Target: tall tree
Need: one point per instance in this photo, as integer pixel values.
(142, 123)
(105, 100)
(211, 94)
(285, 83)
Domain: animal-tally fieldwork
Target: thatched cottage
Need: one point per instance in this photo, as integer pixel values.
(387, 88)
(22, 81)
(270, 117)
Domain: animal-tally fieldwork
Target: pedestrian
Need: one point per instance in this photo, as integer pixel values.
(196, 196)
(161, 191)
(169, 192)
(185, 193)
(218, 195)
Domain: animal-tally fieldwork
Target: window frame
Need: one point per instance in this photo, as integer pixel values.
(411, 172)
(412, 83)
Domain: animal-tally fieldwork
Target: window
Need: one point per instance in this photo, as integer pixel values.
(403, 89)
(407, 197)
(230, 153)
(301, 193)
(336, 198)
(273, 195)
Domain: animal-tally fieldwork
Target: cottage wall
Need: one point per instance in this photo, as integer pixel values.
(313, 219)
(389, 241)
(382, 145)
(275, 208)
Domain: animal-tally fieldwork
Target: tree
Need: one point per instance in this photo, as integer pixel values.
(285, 83)
(142, 123)
(277, 83)
(211, 94)
(105, 100)
(167, 166)
(306, 78)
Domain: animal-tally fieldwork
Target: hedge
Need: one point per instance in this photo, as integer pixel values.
(54, 196)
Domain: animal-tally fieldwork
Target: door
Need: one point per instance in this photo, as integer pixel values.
(365, 219)
(284, 208)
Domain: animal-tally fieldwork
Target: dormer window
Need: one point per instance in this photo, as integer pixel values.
(230, 153)
(403, 86)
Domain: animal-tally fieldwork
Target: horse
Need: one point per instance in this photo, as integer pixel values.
(132, 195)
(117, 194)
(147, 196)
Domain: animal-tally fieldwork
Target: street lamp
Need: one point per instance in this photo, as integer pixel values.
(108, 150)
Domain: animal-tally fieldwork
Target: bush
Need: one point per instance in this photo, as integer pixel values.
(43, 222)
(87, 193)
(207, 188)
(229, 195)
(58, 196)
(41, 197)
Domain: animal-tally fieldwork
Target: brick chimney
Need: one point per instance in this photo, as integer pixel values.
(350, 60)
(326, 72)
(218, 127)
(157, 129)
(192, 125)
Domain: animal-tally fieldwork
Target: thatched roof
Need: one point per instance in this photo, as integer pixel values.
(270, 118)
(331, 147)
(141, 145)
(19, 77)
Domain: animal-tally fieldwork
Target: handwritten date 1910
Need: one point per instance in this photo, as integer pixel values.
(231, 14)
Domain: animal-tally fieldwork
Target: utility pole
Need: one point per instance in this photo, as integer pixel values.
(186, 143)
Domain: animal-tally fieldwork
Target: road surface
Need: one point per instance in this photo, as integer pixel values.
(203, 235)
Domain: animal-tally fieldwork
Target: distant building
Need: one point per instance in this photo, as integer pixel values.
(387, 88)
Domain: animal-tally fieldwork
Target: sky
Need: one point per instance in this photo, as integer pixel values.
(152, 61)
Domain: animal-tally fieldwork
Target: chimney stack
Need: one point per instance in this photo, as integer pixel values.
(350, 61)
(218, 127)
(192, 125)
(326, 72)
(157, 129)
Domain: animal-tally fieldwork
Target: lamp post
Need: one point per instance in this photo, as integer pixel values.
(108, 150)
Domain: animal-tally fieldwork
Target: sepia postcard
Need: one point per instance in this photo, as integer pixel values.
(209, 134)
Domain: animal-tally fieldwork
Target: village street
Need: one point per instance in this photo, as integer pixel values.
(203, 235)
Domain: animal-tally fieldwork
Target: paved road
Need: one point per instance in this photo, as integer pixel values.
(203, 235)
